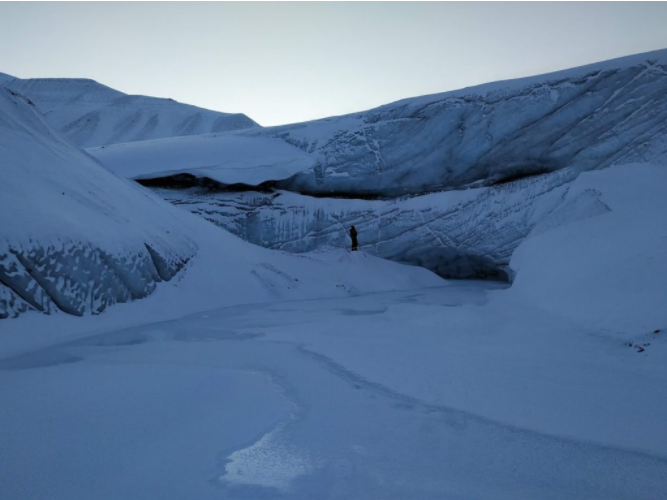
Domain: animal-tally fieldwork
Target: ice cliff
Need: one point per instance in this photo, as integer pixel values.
(589, 117)
(453, 182)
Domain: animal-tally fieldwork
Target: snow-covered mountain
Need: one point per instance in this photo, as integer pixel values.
(76, 238)
(92, 114)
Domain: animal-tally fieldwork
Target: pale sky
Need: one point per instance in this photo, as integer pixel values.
(289, 62)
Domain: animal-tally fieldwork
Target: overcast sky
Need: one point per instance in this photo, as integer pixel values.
(288, 62)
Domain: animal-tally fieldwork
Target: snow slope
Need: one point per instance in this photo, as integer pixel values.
(92, 114)
(600, 258)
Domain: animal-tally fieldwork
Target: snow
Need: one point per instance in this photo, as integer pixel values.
(75, 237)
(585, 118)
(654, 57)
(604, 114)
(228, 159)
(4, 78)
(551, 387)
(91, 114)
(432, 393)
(88, 239)
(249, 372)
(458, 234)
(606, 268)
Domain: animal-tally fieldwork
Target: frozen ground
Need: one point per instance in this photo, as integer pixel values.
(442, 392)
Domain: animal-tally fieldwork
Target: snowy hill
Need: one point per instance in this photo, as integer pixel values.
(590, 117)
(76, 238)
(92, 114)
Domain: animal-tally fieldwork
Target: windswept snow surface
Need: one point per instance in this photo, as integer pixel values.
(91, 114)
(433, 393)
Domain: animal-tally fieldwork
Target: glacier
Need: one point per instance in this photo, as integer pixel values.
(457, 234)
(452, 182)
(77, 239)
(586, 118)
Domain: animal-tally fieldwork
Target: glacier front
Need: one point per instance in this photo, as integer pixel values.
(452, 182)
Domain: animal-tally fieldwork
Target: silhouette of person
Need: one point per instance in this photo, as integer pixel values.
(353, 235)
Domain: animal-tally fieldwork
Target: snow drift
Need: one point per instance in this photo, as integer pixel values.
(92, 114)
(600, 257)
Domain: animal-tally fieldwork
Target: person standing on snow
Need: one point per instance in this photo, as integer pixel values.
(353, 235)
